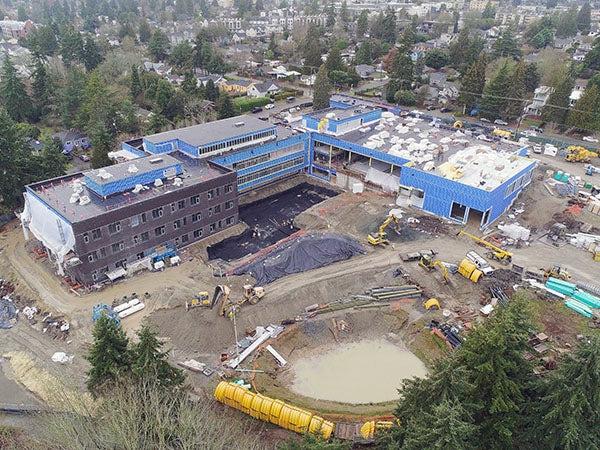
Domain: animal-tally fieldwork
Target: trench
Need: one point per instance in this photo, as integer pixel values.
(269, 220)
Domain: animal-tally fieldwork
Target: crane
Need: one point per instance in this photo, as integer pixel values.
(380, 237)
(495, 252)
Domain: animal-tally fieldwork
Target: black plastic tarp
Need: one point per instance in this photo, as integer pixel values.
(8, 313)
(302, 254)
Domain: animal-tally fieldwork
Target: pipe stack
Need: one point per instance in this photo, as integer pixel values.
(394, 292)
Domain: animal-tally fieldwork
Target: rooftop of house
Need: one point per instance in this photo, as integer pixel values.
(205, 133)
(450, 153)
(58, 193)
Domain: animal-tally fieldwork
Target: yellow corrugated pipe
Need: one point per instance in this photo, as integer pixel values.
(271, 410)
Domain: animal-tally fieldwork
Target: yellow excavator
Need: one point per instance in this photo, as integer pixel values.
(427, 262)
(495, 252)
(380, 237)
(577, 153)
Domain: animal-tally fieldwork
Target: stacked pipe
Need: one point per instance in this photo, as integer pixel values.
(394, 292)
(446, 332)
(579, 301)
(498, 293)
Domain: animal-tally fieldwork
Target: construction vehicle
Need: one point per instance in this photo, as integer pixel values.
(458, 124)
(480, 262)
(251, 294)
(380, 237)
(416, 256)
(427, 262)
(505, 134)
(577, 153)
(201, 299)
(556, 272)
(495, 252)
(432, 303)
(293, 418)
(469, 270)
(590, 170)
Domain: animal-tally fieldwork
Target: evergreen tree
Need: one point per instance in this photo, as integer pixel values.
(494, 103)
(311, 48)
(584, 18)
(211, 91)
(472, 84)
(109, 356)
(532, 77)
(150, 363)
(91, 55)
(586, 113)
(568, 411)
(158, 46)
(592, 58)
(518, 90)
(389, 31)
(41, 90)
(362, 24)
(506, 45)
(557, 107)
(334, 60)
(144, 31)
(182, 56)
(102, 143)
(71, 45)
(344, 16)
(566, 23)
(71, 96)
(157, 123)
(224, 106)
(330, 15)
(377, 26)
(402, 69)
(190, 84)
(135, 85)
(436, 59)
(12, 93)
(489, 12)
(321, 89)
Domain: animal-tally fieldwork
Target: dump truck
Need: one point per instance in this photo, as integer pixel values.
(293, 418)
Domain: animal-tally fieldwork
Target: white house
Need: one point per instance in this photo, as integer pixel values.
(540, 98)
(308, 80)
(262, 89)
(282, 72)
(577, 91)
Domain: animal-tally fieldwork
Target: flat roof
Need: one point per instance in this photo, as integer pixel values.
(57, 192)
(131, 168)
(342, 113)
(460, 155)
(205, 133)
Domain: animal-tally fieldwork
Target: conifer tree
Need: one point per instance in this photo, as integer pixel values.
(12, 93)
(472, 84)
(585, 115)
(362, 24)
(135, 85)
(322, 89)
(224, 106)
(557, 107)
(493, 103)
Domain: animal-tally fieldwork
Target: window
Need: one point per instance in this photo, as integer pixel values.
(145, 236)
(103, 252)
(229, 221)
(210, 194)
(92, 257)
(156, 213)
(159, 231)
(181, 204)
(95, 275)
(218, 191)
(228, 188)
(195, 200)
(229, 204)
(86, 238)
(143, 218)
(135, 221)
(122, 263)
(140, 255)
(197, 233)
(184, 238)
(220, 224)
(196, 217)
(172, 207)
(212, 227)
(96, 234)
(136, 239)
(117, 246)
(217, 209)
(114, 227)
(177, 224)
(210, 211)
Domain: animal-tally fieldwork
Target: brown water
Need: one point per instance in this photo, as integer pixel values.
(368, 371)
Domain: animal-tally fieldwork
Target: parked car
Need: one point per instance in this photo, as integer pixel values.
(306, 105)
(483, 119)
(431, 108)
(290, 99)
(256, 109)
(529, 133)
(84, 157)
(500, 122)
(590, 139)
(446, 110)
(269, 106)
(537, 149)
(539, 130)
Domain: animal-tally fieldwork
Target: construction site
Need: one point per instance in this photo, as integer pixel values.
(358, 265)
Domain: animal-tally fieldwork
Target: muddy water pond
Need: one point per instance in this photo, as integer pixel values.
(368, 371)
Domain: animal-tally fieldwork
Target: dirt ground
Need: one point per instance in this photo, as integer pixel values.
(203, 335)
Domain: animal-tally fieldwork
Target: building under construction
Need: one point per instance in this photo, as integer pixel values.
(174, 188)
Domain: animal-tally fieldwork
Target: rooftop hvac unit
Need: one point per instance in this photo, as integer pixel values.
(74, 198)
(137, 189)
(177, 181)
(102, 173)
(132, 168)
(155, 160)
(239, 124)
(158, 182)
(84, 200)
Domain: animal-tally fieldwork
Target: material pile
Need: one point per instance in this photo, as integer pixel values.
(305, 253)
(8, 313)
(579, 301)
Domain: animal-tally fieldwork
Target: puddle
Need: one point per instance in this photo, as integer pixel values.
(269, 220)
(360, 372)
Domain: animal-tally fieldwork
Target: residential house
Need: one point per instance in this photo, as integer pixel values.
(577, 92)
(72, 139)
(540, 98)
(281, 72)
(238, 37)
(365, 71)
(158, 67)
(235, 87)
(15, 29)
(263, 89)
(203, 80)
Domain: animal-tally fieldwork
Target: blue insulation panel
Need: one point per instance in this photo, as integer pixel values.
(132, 149)
(269, 178)
(232, 158)
(272, 162)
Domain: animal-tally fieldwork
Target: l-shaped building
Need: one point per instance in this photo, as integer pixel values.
(178, 187)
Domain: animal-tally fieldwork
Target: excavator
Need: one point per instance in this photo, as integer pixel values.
(251, 294)
(201, 299)
(427, 262)
(495, 252)
(380, 237)
(577, 153)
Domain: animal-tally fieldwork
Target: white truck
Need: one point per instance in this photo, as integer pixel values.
(480, 262)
